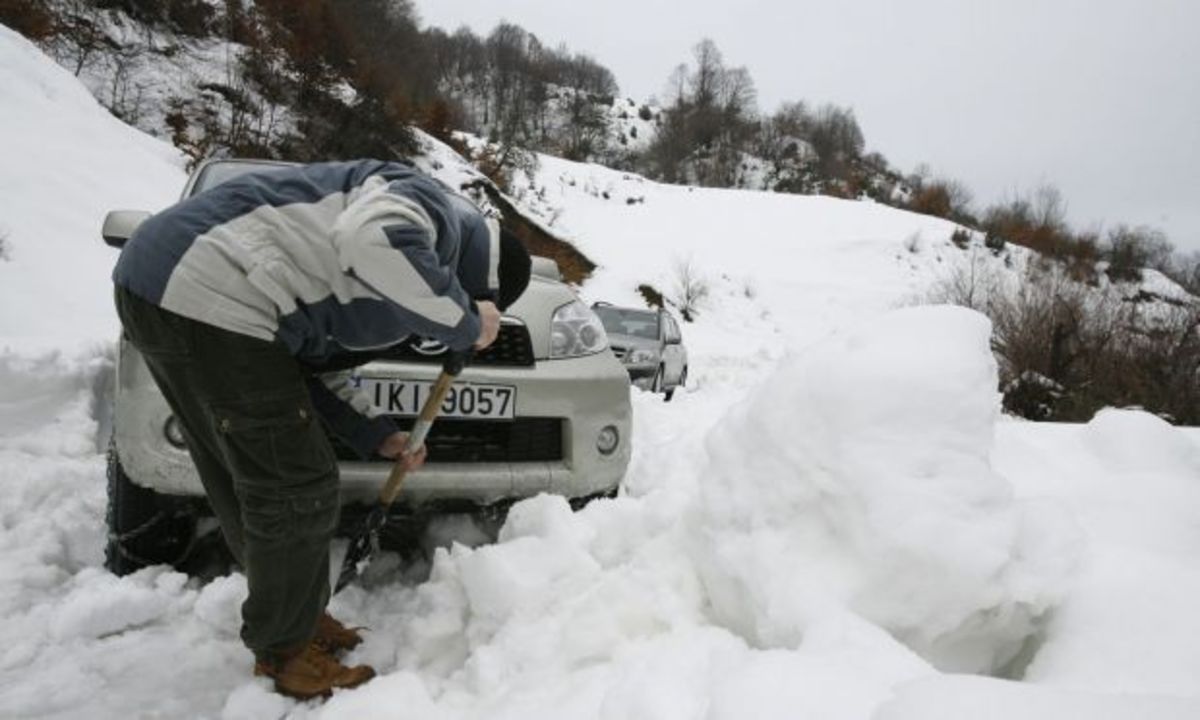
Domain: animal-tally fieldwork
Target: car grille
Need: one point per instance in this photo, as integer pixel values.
(512, 348)
(620, 352)
(455, 440)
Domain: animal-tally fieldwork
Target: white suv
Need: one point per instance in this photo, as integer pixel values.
(544, 409)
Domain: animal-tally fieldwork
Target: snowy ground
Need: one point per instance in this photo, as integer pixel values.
(832, 521)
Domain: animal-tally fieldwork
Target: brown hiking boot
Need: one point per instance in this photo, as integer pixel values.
(334, 636)
(311, 673)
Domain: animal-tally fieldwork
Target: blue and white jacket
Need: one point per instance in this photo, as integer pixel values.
(328, 259)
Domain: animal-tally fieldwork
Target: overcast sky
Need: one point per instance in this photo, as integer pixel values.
(1100, 98)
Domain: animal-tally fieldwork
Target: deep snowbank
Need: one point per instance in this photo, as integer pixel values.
(858, 478)
(1130, 480)
(66, 162)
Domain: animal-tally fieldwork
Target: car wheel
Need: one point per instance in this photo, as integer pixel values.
(671, 393)
(144, 527)
(656, 386)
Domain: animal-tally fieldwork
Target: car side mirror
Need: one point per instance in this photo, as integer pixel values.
(120, 224)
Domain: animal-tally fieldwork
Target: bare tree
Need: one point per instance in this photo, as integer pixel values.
(690, 289)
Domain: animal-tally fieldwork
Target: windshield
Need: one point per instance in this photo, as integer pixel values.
(220, 172)
(624, 321)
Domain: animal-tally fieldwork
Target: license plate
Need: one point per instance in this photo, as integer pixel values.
(464, 400)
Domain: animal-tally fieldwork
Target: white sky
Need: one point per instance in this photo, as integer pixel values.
(1101, 98)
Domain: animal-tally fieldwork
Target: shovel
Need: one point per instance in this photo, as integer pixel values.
(365, 542)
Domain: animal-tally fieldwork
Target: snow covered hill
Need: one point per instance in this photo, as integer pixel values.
(66, 161)
(831, 521)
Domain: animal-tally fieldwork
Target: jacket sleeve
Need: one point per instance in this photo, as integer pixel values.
(349, 413)
(387, 242)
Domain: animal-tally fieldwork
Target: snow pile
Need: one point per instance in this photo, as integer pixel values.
(1129, 624)
(858, 477)
(67, 161)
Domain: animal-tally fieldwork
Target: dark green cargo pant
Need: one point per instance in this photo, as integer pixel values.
(267, 467)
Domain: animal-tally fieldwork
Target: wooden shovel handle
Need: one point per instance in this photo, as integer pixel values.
(416, 437)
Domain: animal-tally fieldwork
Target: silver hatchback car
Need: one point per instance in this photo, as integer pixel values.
(544, 409)
(649, 344)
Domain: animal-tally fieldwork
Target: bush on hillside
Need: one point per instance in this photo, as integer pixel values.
(1129, 250)
(31, 18)
(1039, 222)
(690, 290)
(652, 296)
(961, 238)
(1184, 269)
(188, 17)
(1066, 349)
(971, 285)
(994, 241)
(948, 199)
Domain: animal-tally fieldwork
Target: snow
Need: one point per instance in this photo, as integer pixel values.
(1129, 480)
(954, 697)
(67, 162)
(830, 521)
(834, 487)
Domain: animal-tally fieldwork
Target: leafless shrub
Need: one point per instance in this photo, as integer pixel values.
(690, 290)
(972, 284)
(1129, 250)
(1066, 349)
(942, 198)
(1048, 337)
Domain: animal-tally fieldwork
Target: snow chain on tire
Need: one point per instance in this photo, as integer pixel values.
(119, 540)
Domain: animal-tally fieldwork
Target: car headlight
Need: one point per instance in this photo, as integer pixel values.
(575, 330)
(642, 355)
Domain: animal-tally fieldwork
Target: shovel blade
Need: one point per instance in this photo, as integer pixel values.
(362, 547)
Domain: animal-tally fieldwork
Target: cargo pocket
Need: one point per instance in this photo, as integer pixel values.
(315, 512)
(308, 514)
(274, 445)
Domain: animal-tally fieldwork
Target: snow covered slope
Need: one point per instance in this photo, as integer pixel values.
(65, 162)
(830, 517)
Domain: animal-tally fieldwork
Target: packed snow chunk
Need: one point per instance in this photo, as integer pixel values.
(1138, 442)
(102, 605)
(539, 554)
(545, 516)
(400, 695)
(219, 605)
(858, 478)
(952, 697)
(255, 700)
(846, 668)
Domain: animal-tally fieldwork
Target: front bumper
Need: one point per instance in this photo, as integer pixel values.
(587, 393)
(642, 375)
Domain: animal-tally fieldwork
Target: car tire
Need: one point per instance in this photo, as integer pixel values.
(671, 393)
(144, 527)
